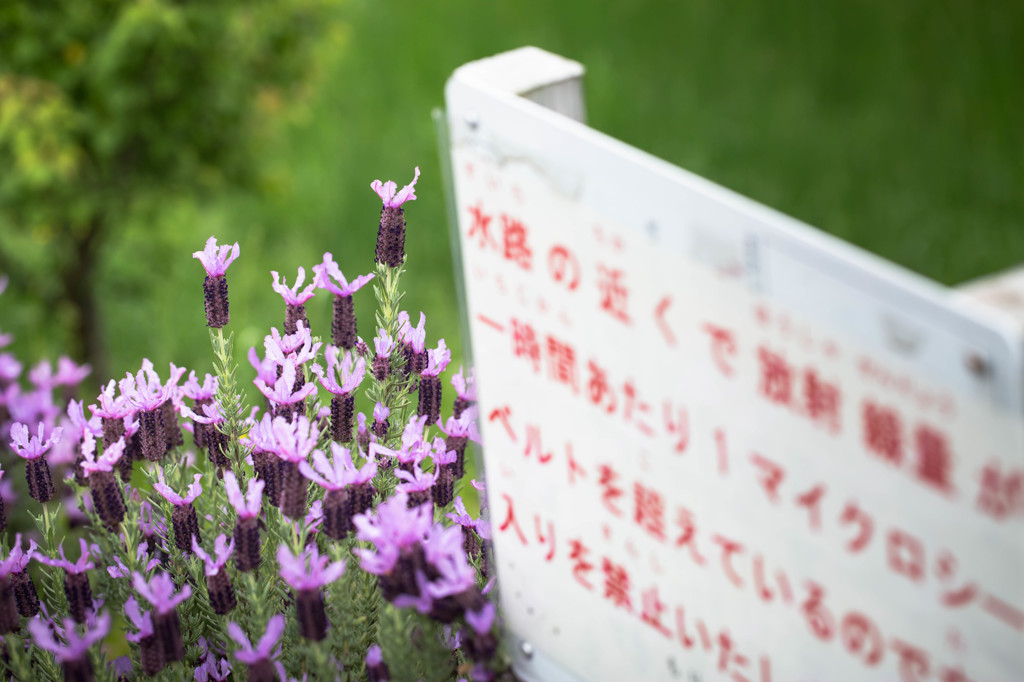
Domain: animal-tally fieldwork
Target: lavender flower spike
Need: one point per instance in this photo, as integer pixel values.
(73, 654)
(37, 471)
(215, 287)
(294, 299)
(149, 651)
(76, 580)
(391, 232)
(259, 658)
(160, 593)
(183, 516)
(349, 491)
(218, 583)
(307, 573)
(106, 495)
(342, 399)
(343, 325)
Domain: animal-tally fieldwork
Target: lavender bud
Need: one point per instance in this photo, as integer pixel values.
(262, 671)
(418, 497)
(247, 544)
(309, 610)
(40, 484)
(343, 325)
(363, 440)
(443, 490)
(167, 632)
(25, 594)
(294, 491)
(78, 670)
(170, 426)
(381, 367)
(8, 607)
(380, 427)
(216, 444)
(342, 409)
(268, 470)
(149, 656)
(106, 498)
(458, 444)
(222, 594)
(460, 406)
(186, 526)
(430, 398)
(132, 452)
(215, 291)
(113, 429)
(293, 314)
(151, 432)
(391, 237)
(79, 594)
(470, 542)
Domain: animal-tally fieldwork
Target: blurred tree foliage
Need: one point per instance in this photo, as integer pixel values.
(110, 109)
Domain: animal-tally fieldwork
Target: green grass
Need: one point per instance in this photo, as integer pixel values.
(891, 125)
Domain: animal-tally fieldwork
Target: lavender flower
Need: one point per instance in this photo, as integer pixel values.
(148, 394)
(294, 299)
(397, 533)
(414, 341)
(120, 570)
(481, 645)
(292, 443)
(418, 484)
(212, 669)
(37, 471)
(430, 382)
(343, 323)
(203, 395)
(183, 514)
(160, 592)
(418, 563)
(73, 654)
(343, 392)
(106, 495)
(380, 420)
(3, 515)
(391, 233)
(376, 668)
(150, 655)
(307, 573)
(465, 392)
(298, 346)
(259, 659)
(349, 491)
(444, 468)
(247, 531)
(384, 345)
(215, 287)
(76, 580)
(287, 400)
(218, 583)
(113, 411)
(215, 440)
(459, 431)
(16, 583)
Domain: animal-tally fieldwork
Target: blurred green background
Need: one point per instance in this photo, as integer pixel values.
(892, 125)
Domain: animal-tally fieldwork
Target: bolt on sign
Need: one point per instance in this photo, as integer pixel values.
(720, 444)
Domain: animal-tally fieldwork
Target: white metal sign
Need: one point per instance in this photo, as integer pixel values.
(719, 444)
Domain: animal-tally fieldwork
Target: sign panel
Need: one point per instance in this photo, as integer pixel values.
(719, 444)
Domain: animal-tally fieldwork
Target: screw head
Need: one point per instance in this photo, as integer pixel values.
(526, 649)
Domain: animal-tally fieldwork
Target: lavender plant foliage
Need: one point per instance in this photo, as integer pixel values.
(303, 544)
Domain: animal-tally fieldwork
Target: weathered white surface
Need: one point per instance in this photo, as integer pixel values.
(738, 469)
